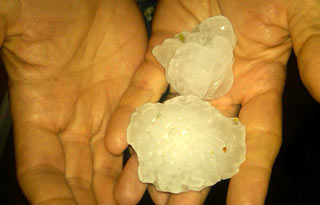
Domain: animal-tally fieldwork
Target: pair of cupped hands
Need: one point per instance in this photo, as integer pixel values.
(78, 69)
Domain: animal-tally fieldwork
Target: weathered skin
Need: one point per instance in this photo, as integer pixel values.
(68, 62)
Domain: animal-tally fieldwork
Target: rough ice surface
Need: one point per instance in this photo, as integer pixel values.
(200, 62)
(185, 144)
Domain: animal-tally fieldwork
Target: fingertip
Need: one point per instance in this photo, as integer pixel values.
(308, 62)
(115, 139)
(157, 196)
(129, 189)
(115, 146)
(310, 79)
(191, 197)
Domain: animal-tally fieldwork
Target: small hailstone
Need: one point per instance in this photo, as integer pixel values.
(185, 144)
(200, 62)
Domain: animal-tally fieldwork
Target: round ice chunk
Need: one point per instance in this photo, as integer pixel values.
(200, 62)
(185, 144)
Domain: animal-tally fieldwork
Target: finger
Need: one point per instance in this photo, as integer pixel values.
(78, 172)
(40, 166)
(78, 160)
(191, 197)
(129, 189)
(262, 116)
(248, 178)
(158, 197)
(305, 33)
(107, 169)
(309, 65)
(147, 86)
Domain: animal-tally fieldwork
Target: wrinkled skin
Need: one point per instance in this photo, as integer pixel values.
(266, 31)
(68, 63)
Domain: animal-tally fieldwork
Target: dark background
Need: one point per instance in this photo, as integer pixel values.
(294, 178)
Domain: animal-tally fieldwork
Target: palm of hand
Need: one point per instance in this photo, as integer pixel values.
(263, 48)
(68, 65)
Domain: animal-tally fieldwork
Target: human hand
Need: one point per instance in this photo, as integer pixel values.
(266, 32)
(68, 63)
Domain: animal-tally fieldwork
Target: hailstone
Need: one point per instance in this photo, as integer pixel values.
(185, 144)
(200, 62)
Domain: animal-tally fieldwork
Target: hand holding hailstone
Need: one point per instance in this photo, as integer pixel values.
(186, 144)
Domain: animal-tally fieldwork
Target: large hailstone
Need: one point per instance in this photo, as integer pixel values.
(185, 144)
(200, 62)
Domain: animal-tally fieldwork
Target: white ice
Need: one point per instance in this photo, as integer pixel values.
(185, 144)
(200, 62)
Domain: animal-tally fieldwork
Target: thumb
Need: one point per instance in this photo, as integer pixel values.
(148, 85)
(304, 27)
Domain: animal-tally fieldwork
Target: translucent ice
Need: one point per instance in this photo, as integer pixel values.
(200, 62)
(185, 144)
